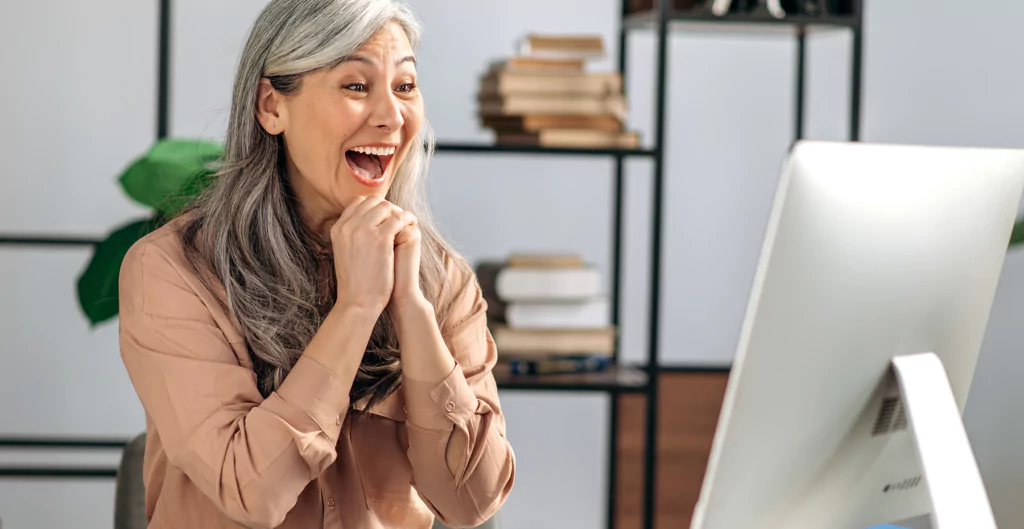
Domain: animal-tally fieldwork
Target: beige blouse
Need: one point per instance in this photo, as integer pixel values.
(219, 455)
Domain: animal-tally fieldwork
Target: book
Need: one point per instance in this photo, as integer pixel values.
(501, 83)
(522, 64)
(584, 138)
(589, 314)
(545, 260)
(549, 343)
(547, 284)
(539, 122)
(614, 105)
(562, 46)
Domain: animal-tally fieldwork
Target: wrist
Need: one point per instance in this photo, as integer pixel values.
(353, 316)
(410, 308)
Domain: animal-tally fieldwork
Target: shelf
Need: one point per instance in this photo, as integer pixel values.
(18, 472)
(62, 443)
(45, 240)
(526, 149)
(619, 379)
(753, 23)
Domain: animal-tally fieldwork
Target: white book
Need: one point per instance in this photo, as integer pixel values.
(547, 284)
(591, 314)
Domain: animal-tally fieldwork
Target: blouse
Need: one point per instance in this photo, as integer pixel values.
(219, 455)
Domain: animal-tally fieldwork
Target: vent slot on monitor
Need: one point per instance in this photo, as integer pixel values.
(892, 417)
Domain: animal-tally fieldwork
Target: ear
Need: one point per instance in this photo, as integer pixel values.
(270, 109)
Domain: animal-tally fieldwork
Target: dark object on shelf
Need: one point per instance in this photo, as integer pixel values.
(816, 8)
(754, 8)
(615, 379)
(640, 6)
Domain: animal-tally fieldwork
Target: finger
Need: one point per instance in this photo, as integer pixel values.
(367, 204)
(377, 214)
(408, 233)
(392, 226)
(350, 209)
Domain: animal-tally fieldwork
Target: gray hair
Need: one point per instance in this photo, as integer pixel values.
(245, 229)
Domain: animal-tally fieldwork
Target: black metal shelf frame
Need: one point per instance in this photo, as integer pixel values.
(663, 21)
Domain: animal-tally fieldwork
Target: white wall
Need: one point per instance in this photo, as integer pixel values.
(81, 105)
(78, 100)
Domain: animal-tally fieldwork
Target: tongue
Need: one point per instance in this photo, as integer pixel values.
(365, 165)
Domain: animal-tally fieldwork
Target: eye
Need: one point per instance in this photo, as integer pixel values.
(407, 87)
(356, 87)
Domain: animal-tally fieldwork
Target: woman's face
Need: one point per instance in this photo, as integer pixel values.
(349, 127)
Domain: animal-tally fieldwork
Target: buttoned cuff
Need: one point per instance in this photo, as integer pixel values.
(314, 389)
(440, 406)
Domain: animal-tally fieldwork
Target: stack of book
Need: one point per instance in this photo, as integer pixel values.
(545, 96)
(547, 314)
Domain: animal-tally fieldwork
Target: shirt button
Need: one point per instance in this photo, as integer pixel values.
(331, 503)
(450, 407)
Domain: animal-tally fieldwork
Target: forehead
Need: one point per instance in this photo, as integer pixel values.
(389, 40)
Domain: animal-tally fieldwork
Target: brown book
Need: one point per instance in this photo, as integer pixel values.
(504, 83)
(572, 138)
(547, 343)
(552, 260)
(538, 122)
(531, 104)
(540, 65)
(583, 46)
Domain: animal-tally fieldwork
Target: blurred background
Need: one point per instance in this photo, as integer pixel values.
(79, 100)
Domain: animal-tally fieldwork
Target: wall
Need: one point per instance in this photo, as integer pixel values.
(80, 105)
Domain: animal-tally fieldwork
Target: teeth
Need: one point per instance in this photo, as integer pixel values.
(379, 151)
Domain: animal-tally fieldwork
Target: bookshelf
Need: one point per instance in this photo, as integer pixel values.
(663, 21)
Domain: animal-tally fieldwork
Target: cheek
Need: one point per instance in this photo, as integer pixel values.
(413, 118)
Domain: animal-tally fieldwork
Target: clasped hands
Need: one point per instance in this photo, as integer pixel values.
(376, 247)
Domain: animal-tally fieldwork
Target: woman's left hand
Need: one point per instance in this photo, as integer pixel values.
(407, 265)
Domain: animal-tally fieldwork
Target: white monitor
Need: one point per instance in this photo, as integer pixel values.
(856, 355)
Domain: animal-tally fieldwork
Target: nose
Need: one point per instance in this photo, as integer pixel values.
(387, 113)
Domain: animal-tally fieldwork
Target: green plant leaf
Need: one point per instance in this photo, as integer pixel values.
(192, 188)
(97, 285)
(1017, 237)
(161, 177)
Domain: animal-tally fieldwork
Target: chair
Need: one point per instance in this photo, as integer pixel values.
(130, 491)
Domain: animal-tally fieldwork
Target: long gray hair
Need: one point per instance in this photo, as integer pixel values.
(246, 227)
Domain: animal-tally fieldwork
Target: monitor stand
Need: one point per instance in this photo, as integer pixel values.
(950, 472)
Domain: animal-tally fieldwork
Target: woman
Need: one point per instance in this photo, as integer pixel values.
(309, 351)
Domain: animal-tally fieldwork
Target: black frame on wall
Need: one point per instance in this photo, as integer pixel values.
(663, 20)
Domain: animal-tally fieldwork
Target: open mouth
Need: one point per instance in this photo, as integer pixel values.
(370, 163)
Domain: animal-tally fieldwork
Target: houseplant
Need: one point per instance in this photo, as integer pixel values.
(165, 178)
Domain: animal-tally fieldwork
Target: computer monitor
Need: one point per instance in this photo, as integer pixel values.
(867, 311)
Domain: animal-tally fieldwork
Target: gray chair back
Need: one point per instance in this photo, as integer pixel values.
(130, 491)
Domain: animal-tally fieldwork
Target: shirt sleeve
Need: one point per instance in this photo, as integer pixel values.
(251, 456)
(463, 465)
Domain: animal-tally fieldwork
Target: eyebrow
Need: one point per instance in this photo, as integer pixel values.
(372, 62)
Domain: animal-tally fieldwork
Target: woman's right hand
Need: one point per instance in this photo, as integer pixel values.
(363, 242)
